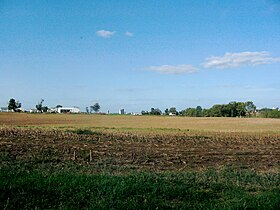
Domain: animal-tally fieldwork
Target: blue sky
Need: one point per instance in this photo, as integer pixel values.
(140, 54)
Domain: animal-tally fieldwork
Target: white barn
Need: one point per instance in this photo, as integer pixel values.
(74, 110)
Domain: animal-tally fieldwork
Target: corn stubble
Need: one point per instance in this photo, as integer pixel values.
(147, 151)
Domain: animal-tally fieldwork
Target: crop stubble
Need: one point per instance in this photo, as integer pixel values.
(152, 152)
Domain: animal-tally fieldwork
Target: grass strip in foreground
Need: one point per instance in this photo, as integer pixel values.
(225, 189)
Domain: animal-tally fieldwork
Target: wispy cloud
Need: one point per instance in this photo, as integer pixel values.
(105, 34)
(127, 33)
(232, 60)
(168, 69)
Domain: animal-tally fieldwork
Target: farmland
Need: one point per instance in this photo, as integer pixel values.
(142, 122)
(200, 156)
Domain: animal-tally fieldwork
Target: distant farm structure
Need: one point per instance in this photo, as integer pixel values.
(4, 109)
(121, 111)
(66, 110)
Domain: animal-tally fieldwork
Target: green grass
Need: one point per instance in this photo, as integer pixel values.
(84, 131)
(223, 189)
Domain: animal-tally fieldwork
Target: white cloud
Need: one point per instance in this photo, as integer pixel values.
(128, 33)
(232, 60)
(105, 34)
(167, 69)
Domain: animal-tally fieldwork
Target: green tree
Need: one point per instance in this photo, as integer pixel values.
(206, 113)
(232, 109)
(269, 113)
(173, 110)
(40, 106)
(91, 109)
(250, 108)
(95, 107)
(45, 109)
(14, 105)
(198, 111)
(216, 110)
(190, 112)
(274, 113)
(240, 108)
(144, 112)
(156, 111)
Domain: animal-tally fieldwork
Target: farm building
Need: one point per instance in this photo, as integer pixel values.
(121, 111)
(4, 109)
(34, 111)
(68, 110)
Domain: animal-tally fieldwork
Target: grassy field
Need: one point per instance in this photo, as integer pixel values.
(138, 162)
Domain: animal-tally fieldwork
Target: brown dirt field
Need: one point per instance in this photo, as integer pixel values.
(133, 151)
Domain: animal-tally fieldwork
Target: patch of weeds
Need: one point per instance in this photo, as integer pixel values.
(85, 132)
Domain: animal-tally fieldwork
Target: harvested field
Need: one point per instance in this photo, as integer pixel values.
(141, 122)
(126, 151)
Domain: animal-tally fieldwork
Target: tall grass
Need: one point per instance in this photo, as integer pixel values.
(225, 189)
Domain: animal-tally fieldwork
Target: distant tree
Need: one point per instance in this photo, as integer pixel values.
(199, 111)
(232, 109)
(91, 109)
(193, 112)
(40, 106)
(206, 113)
(173, 110)
(95, 107)
(240, 109)
(269, 113)
(87, 110)
(216, 111)
(45, 109)
(166, 111)
(190, 112)
(156, 111)
(274, 113)
(144, 112)
(250, 108)
(14, 105)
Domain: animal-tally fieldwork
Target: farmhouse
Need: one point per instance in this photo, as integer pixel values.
(68, 110)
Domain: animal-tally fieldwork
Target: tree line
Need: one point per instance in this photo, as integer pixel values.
(232, 109)
(270, 113)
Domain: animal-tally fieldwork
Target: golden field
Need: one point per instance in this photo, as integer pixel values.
(142, 122)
